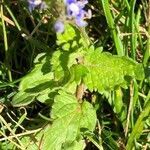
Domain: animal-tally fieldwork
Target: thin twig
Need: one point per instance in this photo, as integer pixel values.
(7, 138)
(37, 26)
(8, 127)
(18, 125)
(20, 134)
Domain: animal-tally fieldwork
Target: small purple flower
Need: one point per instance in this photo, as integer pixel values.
(75, 10)
(80, 22)
(36, 3)
(69, 1)
(81, 4)
(72, 10)
(80, 19)
(43, 6)
(59, 26)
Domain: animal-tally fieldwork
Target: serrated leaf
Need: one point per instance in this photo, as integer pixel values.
(69, 117)
(107, 71)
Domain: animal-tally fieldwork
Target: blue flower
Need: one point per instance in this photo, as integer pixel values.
(36, 3)
(72, 10)
(59, 26)
(80, 19)
(75, 10)
(69, 1)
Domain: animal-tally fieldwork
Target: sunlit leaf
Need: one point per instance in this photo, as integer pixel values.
(69, 118)
(107, 71)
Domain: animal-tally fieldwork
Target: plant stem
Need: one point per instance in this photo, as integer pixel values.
(80, 92)
(132, 21)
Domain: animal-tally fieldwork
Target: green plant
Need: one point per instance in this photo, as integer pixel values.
(77, 94)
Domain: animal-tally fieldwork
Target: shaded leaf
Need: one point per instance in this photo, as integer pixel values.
(40, 82)
(35, 77)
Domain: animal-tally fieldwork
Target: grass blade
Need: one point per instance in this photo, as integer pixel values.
(112, 26)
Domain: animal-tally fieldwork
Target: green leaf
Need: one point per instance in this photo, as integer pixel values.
(109, 140)
(70, 39)
(36, 77)
(67, 36)
(62, 61)
(22, 99)
(69, 118)
(107, 72)
(70, 48)
(34, 141)
(78, 72)
(76, 145)
(51, 71)
(36, 83)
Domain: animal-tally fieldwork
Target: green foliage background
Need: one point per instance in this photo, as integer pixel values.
(82, 89)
